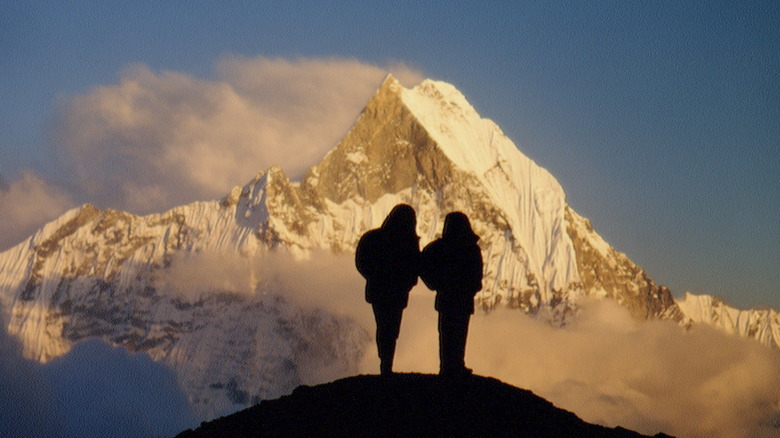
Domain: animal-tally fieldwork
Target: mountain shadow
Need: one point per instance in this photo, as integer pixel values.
(406, 405)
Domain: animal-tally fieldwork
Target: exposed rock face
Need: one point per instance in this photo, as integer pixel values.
(608, 273)
(386, 152)
(107, 274)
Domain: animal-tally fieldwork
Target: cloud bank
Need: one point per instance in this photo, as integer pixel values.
(93, 391)
(606, 367)
(648, 376)
(323, 280)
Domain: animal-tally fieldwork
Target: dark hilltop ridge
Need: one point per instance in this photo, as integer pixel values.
(406, 405)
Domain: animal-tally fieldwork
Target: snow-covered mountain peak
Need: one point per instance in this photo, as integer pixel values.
(427, 146)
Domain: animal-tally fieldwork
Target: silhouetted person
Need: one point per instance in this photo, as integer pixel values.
(389, 258)
(452, 266)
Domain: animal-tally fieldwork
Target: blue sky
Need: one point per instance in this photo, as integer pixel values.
(660, 119)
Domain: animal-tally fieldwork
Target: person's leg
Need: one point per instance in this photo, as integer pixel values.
(453, 330)
(460, 332)
(382, 341)
(388, 325)
(387, 357)
(448, 360)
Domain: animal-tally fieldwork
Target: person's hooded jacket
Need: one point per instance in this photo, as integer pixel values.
(388, 258)
(452, 265)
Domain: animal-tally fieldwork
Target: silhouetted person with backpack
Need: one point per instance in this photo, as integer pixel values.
(452, 266)
(389, 258)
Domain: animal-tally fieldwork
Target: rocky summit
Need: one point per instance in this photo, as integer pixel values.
(407, 405)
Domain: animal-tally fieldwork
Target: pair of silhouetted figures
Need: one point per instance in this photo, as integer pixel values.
(389, 258)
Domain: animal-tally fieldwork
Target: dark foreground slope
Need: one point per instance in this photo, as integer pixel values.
(406, 405)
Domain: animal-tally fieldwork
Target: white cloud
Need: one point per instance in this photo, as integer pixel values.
(323, 281)
(27, 203)
(190, 276)
(156, 140)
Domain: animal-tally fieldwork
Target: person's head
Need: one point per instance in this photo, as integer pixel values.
(458, 227)
(401, 219)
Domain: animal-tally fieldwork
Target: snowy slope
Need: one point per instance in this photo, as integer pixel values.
(529, 197)
(762, 325)
(178, 285)
(108, 274)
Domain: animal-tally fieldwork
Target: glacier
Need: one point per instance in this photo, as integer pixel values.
(96, 273)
